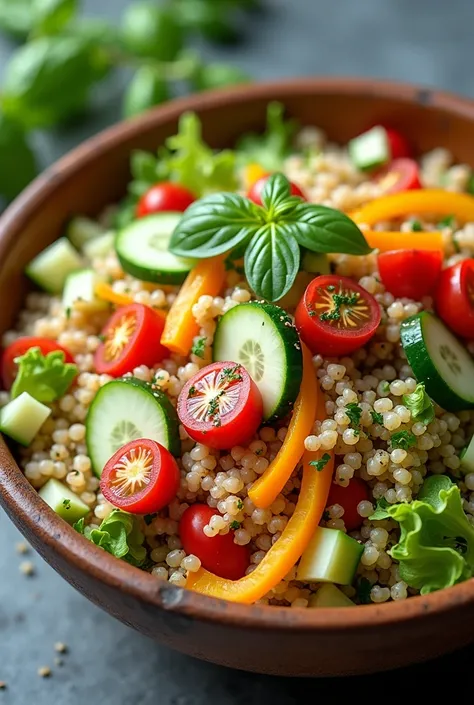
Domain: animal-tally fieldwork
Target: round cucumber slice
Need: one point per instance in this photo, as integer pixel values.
(124, 410)
(142, 249)
(439, 360)
(263, 338)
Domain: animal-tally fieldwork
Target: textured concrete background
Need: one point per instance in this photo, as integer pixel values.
(427, 41)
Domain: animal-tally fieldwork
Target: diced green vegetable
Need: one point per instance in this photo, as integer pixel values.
(99, 246)
(22, 418)
(80, 230)
(331, 556)
(467, 457)
(79, 291)
(370, 150)
(50, 268)
(271, 148)
(328, 595)
(63, 501)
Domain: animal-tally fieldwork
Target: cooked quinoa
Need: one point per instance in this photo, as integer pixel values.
(375, 377)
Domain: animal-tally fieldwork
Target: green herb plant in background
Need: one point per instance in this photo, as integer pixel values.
(50, 77)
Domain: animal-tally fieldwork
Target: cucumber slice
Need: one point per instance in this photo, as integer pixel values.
(315, 263)
(100, 246)
(467, 457)
(22, 418)
(63, 501)
(263, 338)
(51, 267)
(328, 595)
(81, 230)
(370, 150)
(439, 360)
(330, 557)
(79, 292)
(142, 249)
(124, 410)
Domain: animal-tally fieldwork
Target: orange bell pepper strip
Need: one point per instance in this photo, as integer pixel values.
(388, 241)
(207, 277)
(266, 489)
(105, 292)
(397, 205)
(284, 553)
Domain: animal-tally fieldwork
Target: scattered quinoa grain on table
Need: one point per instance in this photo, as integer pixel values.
(307, 404)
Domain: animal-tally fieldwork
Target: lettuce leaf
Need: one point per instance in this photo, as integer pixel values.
(274, 145)
(420, 405)
(436, 547)
(45, 377)
(119, 534)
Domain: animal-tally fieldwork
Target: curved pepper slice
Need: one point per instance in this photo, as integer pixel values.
(389, 241)
(207, 277)
(397, 205)
(266, 489)
(105, 292)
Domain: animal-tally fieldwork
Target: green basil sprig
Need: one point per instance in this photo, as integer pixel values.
(270, 235)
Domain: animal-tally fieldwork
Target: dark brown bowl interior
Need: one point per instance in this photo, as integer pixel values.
(264, 639)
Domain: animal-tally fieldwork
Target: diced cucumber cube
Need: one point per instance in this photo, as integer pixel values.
(51, 267)
(330, 557)
(22, 418)
(100, 246)
(467, 457)
(63, 501)
(79, 291)
(81, 230)
(370, 150)
(328, 595)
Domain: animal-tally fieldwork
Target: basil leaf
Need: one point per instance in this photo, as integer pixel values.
(146, 89)
(275, 191)
(215, 224)
(18, 163)
(50, 16)
(323, 229)
(272, 261)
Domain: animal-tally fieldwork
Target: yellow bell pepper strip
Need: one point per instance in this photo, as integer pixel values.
(397, 205)
(284, 553)
(385, 241)
(266, 489)
(252, 173)
(105, 292)
(207, 277)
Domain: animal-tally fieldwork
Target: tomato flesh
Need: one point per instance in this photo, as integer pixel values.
(221, 406)
(410, 273)
(399, 145)
(349, 497)
(218, 554)
(255, 191)
(399, 175)
(454, 298)
(130, 338)
(336, 316)
(19, 347)
(141, 478)
(165, 196)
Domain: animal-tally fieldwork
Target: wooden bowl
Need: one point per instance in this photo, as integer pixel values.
(264, 639)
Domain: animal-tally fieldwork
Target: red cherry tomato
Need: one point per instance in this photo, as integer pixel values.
(410, 273)
(142, 477)
(399, 145)
(164, 196)
(255, 191)
(336, 316)
(221, 406)
(454, 298)
(20, 347)
(349, 497)
(130, 338)
(218, 554)
(399, 175)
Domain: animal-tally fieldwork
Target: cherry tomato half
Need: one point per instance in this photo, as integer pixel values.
(410, 273)
(130, 338)
(218, 554)
(398, 144)
(349, 497)
(255, 191)
(336, 316)
(454, 298)
(20, 347)
(164, 196)
(221, 406)
(142, 477)
(399, 175)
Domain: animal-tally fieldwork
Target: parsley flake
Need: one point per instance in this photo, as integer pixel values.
(67, 503)
(240, 505)
(320, 464)
(376, 417)
(354, 411)
(403, 439)
(234, 525)
(199, 347)
(416, 226)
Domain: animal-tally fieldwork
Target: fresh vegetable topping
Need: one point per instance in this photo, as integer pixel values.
(221, 406)
(336, 316)
(370, 150)
(217, 552)
(142, 477)
(403, 439)
(331, 556)
(398, 143)
(420, 405)
(271, 148)
(50, 269)
(118, 534)
(9, 367)
(164, 196)
(384, 241)
(410, 273)
(22, 418)
(399, 175)
(256, 190)
(130, 338)
(320, 464)
(63, 501)
(272, 233)
(45, 377)
(349, 498)
(454, 298)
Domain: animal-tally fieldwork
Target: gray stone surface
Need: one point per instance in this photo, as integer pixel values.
(427, 41)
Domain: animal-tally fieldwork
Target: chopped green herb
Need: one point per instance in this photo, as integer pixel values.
(339, 300)
(326, 515)
(331, 287)
(101, 337)
(240, 505)
(234, 525)
(376, 417)
(192, 391)
(67, 503)
(68, 312)
(199, 347)
(381, 510)
(363, 591)
(320, 464)
(385, 387)
(232, 374)
(403, 439)
(416, 226)
(447, 222)
(148, 518)
(354, 411)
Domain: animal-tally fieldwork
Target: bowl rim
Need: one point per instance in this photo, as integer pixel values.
(23, 502)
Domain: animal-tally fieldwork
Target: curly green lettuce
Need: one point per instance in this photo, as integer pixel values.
(119, 534)
(272, 147)
(436, 547)
(44, 377)
(420, 405)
